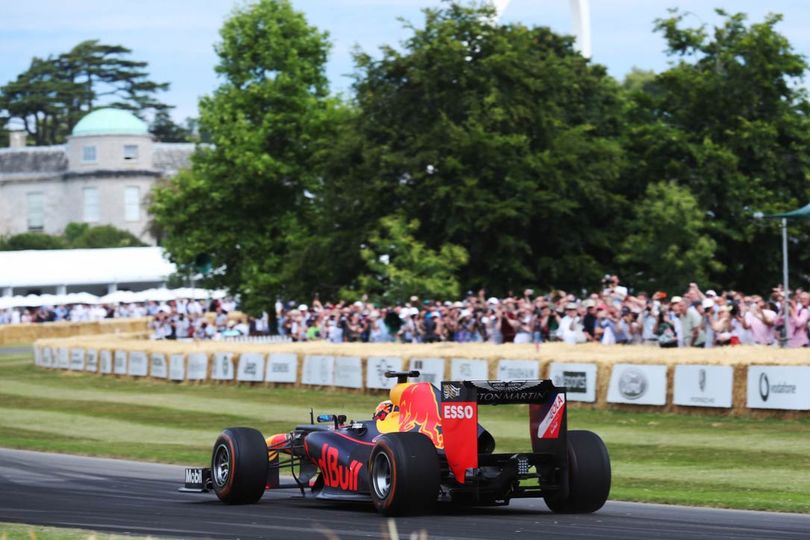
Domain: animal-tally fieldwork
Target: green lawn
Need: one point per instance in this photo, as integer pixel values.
(697, 460)
(14, 531)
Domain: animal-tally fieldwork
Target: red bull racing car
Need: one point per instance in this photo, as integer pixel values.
(422, 446)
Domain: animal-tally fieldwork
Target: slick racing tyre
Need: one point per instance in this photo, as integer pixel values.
(403, 474)
(588, 476)
(239, 466)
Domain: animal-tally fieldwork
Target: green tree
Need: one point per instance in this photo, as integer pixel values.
(84, 236)
(166, 130)
(52, 95)
(729, 121)
(498, 138)
(75, 236)
(668, 246)
(400, 266)
(246, 200)
(31, 240)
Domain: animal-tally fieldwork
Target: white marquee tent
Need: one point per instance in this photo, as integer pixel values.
(88, 270)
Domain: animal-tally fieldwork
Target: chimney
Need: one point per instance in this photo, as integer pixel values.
(16, 139)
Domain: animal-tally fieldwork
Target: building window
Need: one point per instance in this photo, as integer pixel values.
(131, 151)
(90, 204)
(36, 211)
(132, 203)
(88, 154)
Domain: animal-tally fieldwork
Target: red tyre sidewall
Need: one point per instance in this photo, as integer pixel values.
(226, 439)
(388, 502)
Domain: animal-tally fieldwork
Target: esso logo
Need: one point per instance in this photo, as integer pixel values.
(459, 412)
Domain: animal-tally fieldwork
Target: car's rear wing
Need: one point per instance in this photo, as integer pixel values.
(459, 411)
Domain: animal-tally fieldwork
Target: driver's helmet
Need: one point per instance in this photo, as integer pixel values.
(384, 409)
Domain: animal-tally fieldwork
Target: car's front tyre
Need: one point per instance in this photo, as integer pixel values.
(239, 466)
(404, 474)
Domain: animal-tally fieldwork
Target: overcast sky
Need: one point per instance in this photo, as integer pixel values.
(176, 37)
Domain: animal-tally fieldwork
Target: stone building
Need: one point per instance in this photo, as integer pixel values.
(101, 176)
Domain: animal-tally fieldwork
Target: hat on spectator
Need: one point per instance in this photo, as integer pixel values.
(711, 293)
(458, 304)
(570, 305)
(660, 295)
(589, 303)
(676, 299)
(708, 302)
(303, 307)
(492, 300)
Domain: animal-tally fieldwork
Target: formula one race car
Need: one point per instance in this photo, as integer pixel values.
(422, 446)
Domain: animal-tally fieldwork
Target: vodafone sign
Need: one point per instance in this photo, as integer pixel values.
(779, 387)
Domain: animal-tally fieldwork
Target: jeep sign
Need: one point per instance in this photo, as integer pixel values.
(579, 380)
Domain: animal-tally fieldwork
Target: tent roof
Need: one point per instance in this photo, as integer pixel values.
(803, 212)
(54, 267)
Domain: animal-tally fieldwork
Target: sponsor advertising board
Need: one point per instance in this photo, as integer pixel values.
(47, 357)
(578, 379)
(779, 387)
(222, 368)
(177, 367)
(518, 370)
(197, 366)
(106, 361)
(282, 367)
(638, 384)
(430, 370)
(318, 370)
(77, 359)
(468, 369)
(348, 372)
(251, 367)
(159, 367)
(120, 363)
(376, 368)
(138, 364)
(91, 363)
(62, 358)
(703, 385)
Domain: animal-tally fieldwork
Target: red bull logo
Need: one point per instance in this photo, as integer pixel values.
(419, 411)
(336, 475)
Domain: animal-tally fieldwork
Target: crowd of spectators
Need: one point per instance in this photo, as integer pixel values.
(173, 319)
(610, 316)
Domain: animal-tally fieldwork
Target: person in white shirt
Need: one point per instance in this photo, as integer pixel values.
(571, 329)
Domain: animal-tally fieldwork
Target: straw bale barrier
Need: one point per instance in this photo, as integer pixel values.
(358, 367)
(29, 332)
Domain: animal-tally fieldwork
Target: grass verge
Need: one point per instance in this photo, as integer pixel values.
(18, 531)
(758, 464)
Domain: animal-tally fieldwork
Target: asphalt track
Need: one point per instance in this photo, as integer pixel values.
(141, 498)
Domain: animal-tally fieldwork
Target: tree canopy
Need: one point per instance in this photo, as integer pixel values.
(53, 94)
(495, 151)
(75, 236)
(245, 201)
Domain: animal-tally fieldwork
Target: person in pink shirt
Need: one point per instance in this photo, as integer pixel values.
(760, 321)
(799, 310)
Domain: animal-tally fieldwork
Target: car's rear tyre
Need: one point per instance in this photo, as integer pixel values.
(239, 466)
(588, 476)
(404, 474)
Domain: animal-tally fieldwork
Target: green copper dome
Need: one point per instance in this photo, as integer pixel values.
(110, 122)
